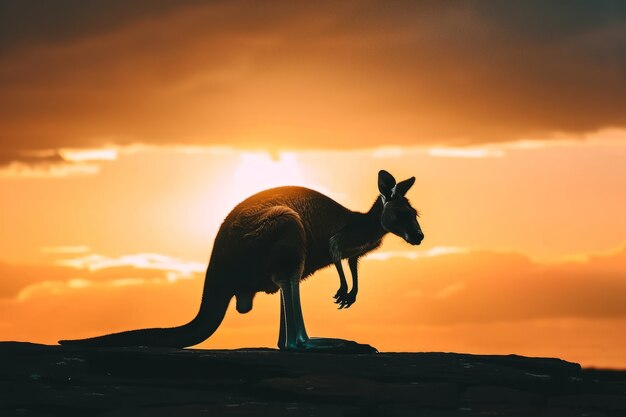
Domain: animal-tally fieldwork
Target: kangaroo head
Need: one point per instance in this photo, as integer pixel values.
(398, 216)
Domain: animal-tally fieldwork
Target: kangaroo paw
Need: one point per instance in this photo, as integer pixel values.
(345, 300)
(341, 292)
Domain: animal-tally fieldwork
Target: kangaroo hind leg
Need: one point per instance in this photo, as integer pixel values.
(286, 264)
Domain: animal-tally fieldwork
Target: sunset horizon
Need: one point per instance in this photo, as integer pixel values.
(130, 131)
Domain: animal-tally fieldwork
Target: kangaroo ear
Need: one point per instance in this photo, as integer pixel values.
(403, 186)
(386, 182)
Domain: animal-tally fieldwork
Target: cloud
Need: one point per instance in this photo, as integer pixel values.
(93, 271)
(53, 163)
(435, 251)
(150, 261)
(37, 170)
(82, 155)
(465, 153)
(488, 287)
(316, 75)
(449, 290)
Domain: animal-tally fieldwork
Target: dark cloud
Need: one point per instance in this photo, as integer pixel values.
(32, 22)
(539, 20)
(322, 74)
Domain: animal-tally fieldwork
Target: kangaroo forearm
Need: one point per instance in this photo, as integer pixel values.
(342, 277)
(353, 263)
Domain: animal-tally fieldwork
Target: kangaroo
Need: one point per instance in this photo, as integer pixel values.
(270, 242)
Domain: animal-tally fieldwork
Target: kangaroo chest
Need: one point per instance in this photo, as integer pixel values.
(362, 249)
(343, 246)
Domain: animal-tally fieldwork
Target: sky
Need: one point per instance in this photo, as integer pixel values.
(129, 130)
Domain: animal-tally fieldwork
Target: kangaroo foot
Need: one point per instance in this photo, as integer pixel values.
(330, 345)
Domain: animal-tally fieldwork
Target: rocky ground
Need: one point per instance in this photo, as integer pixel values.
(39, 380)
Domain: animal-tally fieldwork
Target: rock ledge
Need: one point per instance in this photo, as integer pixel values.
(40, 380)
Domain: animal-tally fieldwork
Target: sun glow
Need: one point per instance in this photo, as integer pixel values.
(258, 171)
(253, 172)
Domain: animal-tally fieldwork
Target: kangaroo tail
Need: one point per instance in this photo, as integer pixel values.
(212, 311)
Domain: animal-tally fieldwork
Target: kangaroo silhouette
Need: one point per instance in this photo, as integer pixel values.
(270, 242)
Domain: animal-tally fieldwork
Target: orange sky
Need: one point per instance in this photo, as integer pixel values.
(129, 132)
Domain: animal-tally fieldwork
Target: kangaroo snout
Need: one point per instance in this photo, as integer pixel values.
(414, 239)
